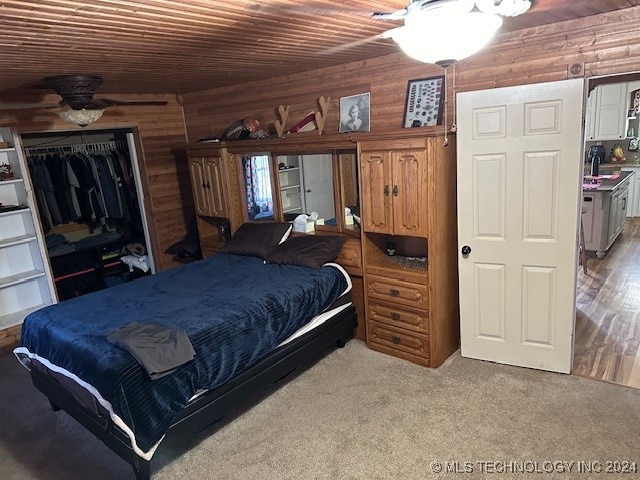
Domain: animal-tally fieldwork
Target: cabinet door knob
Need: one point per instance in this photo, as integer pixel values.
(204, 185)
(208, 185)
(466, 250)
(393, 292)
(386, 190)
(395, 190)
(308, 190)
(396, 340)
(395, 316)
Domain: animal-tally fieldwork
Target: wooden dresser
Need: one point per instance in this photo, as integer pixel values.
(408, 209)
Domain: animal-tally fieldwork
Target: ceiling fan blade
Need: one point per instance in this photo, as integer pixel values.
(102, 103)
(27, 106)
(397, 15)
(346, 46)
(142, 102)
(274, 10)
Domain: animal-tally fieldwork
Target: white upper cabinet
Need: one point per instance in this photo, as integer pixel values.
(606, 115)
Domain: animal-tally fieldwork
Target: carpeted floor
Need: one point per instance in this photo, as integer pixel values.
(357, 414)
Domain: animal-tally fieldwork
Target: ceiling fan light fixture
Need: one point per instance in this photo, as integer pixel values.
(506, 8)
(447, 37)
(81, 117)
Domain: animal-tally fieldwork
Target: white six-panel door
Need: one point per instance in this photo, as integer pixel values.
(318, 185)
(519, 169)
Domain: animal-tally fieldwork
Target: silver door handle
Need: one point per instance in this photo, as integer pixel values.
(308, 190)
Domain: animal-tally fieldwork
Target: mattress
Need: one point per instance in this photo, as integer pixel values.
(235, 310)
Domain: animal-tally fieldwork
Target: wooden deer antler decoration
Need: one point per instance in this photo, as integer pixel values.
(321, 116)
(283, 113)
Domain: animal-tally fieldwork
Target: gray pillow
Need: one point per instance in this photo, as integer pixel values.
(257, 239)
(307, 250)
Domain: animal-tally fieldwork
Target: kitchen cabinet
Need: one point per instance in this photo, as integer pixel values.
(605, 214)
(606, 115)
(25, 275)
(394, 190)
(409, 246)
(590, 116)
(633, 200)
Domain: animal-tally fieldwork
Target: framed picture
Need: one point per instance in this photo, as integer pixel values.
(354, 113)
(425, 102)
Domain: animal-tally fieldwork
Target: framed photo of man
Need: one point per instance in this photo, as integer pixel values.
(355, 113)
(425, 102)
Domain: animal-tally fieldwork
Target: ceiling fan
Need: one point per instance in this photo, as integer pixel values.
(77, 92)
(77, 104)
(509, 8)
(433, 28)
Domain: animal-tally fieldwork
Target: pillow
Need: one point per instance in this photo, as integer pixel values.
(256, 239)
(307, 251)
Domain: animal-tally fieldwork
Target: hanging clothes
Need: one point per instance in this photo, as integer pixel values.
(84, 183)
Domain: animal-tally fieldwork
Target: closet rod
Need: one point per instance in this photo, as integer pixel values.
(78, 147)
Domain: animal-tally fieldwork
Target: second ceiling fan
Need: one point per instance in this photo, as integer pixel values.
(77, 92)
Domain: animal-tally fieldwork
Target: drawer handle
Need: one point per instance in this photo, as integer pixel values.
(396, 340)
(394, 292)
(395, 316)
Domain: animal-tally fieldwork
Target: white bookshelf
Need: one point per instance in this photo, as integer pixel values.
(290, 182)
(25, 276)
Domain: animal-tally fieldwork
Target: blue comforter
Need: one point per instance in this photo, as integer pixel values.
(234, 309)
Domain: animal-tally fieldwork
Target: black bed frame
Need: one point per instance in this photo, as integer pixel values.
(215, 404)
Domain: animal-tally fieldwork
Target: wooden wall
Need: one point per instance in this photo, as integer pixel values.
(599, 45)
(165, 174)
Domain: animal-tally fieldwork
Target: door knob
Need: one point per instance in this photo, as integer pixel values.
(308, 190)
(466, 250)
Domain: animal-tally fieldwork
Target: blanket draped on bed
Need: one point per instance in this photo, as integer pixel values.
(234, 309)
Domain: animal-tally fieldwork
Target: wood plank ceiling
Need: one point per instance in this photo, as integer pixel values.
(179, 46)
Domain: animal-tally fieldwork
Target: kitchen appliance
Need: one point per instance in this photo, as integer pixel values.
(596, 154)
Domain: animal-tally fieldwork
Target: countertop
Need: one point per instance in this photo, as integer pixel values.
(604, 183)
(616, 165)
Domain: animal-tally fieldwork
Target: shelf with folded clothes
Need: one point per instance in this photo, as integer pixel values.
(92, 263)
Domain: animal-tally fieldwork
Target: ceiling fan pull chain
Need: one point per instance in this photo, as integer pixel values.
(446, 107)
(454, 127)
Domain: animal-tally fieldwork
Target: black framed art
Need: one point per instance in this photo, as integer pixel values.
(425, 102)
(355, 113)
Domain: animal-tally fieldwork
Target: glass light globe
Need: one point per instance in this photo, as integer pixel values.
(443, 37)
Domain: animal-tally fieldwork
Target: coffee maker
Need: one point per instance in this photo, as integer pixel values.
(596, 154)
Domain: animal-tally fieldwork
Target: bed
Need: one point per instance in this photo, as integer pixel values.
(252, 314)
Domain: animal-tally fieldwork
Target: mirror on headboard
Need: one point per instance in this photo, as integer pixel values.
(258, 187)
(306, 184)
(349, 191)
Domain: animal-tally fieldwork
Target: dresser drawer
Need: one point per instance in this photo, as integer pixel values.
(350, 257)
(397, 291)
(417, 321)
(414, 347)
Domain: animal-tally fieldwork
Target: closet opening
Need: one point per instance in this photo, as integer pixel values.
(89, 195)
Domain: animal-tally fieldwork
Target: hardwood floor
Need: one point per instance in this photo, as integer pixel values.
(607, 336)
